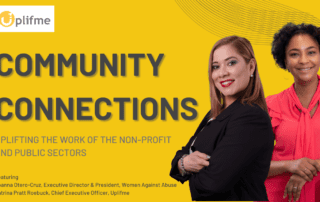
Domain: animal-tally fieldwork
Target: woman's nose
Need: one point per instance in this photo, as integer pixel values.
(223, 71)
(303, 59)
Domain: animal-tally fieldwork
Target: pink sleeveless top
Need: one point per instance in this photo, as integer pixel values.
(297, 135)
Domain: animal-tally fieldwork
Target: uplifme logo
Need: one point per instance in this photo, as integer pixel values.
(6, 18)
(27, 18)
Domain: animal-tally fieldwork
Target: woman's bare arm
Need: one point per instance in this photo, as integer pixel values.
(304, 167)
(278, 167)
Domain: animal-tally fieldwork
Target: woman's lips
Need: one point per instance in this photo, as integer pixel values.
(226, 83)
(305, 69)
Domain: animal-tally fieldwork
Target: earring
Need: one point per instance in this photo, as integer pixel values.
(251, 75)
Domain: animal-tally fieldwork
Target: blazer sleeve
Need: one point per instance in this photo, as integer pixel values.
(246, 135)
(174, 173)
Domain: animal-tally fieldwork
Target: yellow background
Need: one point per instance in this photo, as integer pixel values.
(117, 27)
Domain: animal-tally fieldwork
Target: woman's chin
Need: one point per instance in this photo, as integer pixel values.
(306, 79)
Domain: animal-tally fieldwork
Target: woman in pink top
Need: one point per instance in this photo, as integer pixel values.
(294, 168)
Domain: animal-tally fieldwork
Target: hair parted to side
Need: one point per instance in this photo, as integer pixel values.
(282, 38)
(253, 94)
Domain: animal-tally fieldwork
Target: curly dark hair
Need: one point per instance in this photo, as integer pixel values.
(281, 39)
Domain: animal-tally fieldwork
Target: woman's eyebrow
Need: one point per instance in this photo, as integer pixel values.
(295, 49)
(311, 47)
(229, 58)
(225, 59)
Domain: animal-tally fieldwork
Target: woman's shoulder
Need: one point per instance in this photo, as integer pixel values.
(277, 105)
(274, 101)
(250, 111)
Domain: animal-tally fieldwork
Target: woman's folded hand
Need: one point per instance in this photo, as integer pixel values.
(304, 167)
(294, 187)
(196, 161)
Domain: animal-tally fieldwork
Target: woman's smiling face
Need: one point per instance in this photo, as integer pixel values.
(230, 72)
(303, 58)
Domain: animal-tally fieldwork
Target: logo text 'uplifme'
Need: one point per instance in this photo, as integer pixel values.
(27, 19)
(7, 19)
